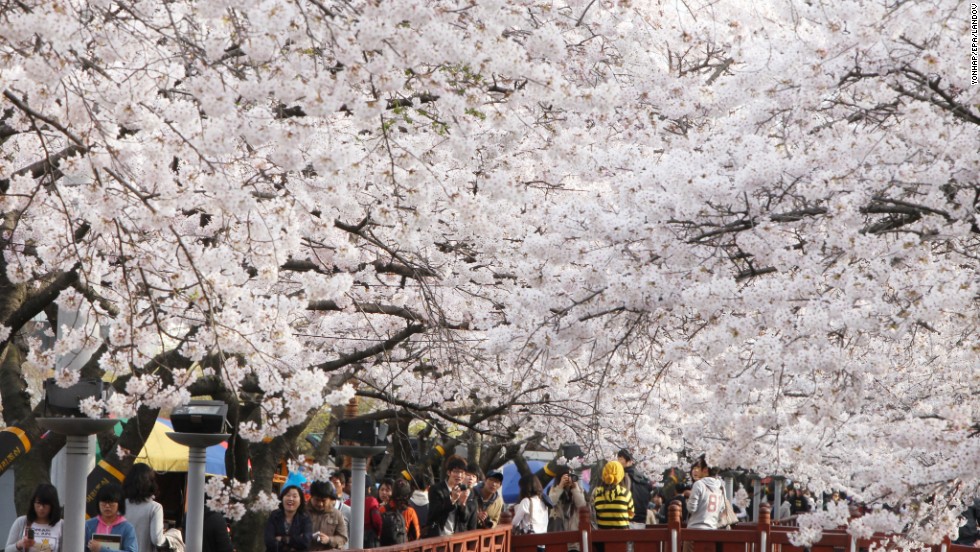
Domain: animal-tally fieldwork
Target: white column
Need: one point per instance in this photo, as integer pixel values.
(196, 460)
(357, 487)
(79, 451)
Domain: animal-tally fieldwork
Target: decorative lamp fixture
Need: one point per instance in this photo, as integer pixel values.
(197, 425)
(66, 401)
(200, 417)
(368, 433)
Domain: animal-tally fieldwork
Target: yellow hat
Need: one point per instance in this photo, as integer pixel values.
(613, 473)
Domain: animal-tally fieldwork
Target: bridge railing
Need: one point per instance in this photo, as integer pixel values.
(670, 537)
(496, 539)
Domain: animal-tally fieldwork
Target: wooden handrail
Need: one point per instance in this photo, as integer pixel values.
(761, 536)
(495, 539)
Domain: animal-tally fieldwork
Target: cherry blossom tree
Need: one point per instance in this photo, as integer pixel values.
(741, 229)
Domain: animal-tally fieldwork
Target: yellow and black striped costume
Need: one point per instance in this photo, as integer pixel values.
(613, 506)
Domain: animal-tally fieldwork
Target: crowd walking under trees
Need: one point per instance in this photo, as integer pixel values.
(748, 228)
(314, 517)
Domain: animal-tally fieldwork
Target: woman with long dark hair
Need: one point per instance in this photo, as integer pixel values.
(531, 513)
(146, 515)
(40, 529)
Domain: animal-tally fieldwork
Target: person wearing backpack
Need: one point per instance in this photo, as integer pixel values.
(399, 522)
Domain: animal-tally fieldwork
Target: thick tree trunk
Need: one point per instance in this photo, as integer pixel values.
(33, 466)
(247, 532)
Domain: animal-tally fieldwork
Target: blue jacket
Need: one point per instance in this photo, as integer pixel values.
(124, 529)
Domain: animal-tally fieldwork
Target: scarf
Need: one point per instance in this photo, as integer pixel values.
(104, 528)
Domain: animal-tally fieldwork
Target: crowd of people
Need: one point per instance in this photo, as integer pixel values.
(396, 511)
(128, 520)
(409, 508)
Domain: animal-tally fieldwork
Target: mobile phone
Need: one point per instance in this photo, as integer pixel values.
(30, 533)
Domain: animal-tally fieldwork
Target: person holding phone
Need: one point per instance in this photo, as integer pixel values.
(450, 510)
(40, 529)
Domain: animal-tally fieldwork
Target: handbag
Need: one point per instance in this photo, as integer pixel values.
(727, 516)
(527, 524)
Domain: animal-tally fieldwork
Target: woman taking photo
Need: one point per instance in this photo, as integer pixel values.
(146, 515)
(110, 523)
(289, 528)
(40, 529)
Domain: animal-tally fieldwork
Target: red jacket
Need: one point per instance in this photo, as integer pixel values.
(372, 515)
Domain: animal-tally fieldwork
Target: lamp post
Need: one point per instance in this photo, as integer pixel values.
(756, 496)
(79, 449)
(199, 425)
(198, 444)
(359, 455)
(728, 477)
(779, 482)
(65, 403)
(367, 438)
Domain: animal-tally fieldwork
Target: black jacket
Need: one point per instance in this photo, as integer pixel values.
(969, 533)
(215, 537)
(296, 539)
(440, 506)
(640, 488)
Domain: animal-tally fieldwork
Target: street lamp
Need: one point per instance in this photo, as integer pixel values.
(779, 483)
(198, 425)
(756, 495)
(369, 439)
(728, 476)
(64, 403)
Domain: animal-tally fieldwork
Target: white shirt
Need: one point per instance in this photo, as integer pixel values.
(536, 510)
(47, 538)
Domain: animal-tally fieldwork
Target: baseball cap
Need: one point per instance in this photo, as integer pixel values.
(496, 475)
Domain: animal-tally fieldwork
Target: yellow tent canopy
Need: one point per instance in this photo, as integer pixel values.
(164, 455)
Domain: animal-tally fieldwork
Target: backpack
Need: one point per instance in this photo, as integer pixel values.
(393, 528)
(641, 488)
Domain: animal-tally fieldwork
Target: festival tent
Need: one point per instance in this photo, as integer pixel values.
(164, 455)
(511, 490)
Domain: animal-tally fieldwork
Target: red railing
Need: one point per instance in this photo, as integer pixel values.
(497, 539)
(670, 537)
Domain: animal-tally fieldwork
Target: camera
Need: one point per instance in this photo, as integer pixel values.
(573, 477)
(30, 534)
(462, 486)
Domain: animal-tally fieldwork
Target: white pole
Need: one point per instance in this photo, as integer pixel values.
(358, 472)
(196, 459)
(79, 450)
